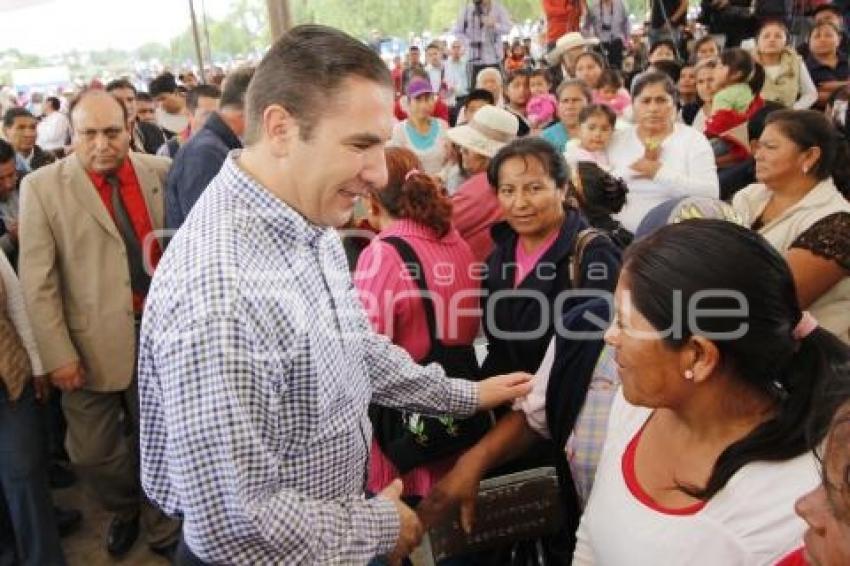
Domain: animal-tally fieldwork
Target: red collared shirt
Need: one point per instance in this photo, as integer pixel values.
(137, 210)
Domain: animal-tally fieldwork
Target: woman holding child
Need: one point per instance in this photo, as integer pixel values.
(658, 158)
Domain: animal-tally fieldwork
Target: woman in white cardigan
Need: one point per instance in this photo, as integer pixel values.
(710, 439)
(659, 158)
(798, 205)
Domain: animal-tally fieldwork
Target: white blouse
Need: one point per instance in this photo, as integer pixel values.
(750, 522)
(687, 169)
(434, 157)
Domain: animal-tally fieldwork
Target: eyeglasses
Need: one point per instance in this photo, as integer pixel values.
(91, 134)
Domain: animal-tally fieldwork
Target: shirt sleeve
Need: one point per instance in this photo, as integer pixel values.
(534, 404)
(828, 238)
(503, 21)
(399, 382)
(219, 407)
(18, 314)
(699, 175)
(808, 90)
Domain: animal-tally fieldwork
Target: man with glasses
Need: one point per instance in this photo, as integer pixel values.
(88, 228)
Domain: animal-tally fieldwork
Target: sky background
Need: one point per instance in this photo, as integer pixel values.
(48, 27)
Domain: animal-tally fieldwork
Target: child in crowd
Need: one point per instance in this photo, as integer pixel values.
(738, 80)
(610, 92)
(596, 123)
(600, 196)
(542, 107)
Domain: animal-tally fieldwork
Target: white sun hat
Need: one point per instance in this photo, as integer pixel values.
(566, 42)
(490, 129)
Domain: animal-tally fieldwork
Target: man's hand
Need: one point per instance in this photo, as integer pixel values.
(41, 384)
(460, 485)
(69, 377)
(500, 389)
(410, 534)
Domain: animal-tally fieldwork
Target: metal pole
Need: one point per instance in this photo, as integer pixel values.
(197, 38)
(207, 44)
(280, 17)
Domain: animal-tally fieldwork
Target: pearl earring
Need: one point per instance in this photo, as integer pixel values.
(689, 375)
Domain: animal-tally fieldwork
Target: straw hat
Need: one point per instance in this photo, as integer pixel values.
(566, 42)
(490, 129)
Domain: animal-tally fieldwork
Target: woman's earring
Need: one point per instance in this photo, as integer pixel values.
(689, 375)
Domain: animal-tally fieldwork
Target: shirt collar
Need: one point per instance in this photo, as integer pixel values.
(407, 227)
(125, 173)
(277, 214)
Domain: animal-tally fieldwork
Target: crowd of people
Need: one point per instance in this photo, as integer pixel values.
(299, 315)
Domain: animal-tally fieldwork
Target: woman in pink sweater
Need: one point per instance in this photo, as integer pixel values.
(412, 209)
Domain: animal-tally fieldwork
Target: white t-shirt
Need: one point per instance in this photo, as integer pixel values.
(53, 132)
(175, 123)
(750, 522)
(434, 156)
(687, 169)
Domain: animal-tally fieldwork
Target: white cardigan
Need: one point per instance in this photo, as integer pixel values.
(832, 309)
(687, 169)
(750, 522)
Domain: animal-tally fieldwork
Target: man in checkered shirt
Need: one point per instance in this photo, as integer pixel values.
(256, 362)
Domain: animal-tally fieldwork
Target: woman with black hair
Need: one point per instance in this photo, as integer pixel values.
(707, 444)
(800, 205)
(530, 265)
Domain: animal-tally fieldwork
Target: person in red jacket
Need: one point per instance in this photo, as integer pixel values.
(562, 16)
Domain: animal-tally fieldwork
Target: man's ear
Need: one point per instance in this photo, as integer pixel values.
(280, 128)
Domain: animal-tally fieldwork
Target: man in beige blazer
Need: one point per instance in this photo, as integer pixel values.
(88, 232)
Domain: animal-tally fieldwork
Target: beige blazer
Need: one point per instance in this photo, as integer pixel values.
(74, 273)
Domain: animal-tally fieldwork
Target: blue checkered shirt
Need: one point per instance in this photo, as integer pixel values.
(256, 367)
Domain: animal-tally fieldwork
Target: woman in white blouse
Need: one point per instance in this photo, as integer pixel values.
(659, 158)
(710, 439)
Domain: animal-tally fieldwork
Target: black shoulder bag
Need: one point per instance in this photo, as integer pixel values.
(411, 440)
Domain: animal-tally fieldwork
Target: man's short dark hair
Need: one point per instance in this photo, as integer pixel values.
(201, 91)
(13, 113)
(433, 45)
(77, 99)
(119, 84)
(479, 94)
(235, 86)
(143, 96)
(54, 103)
(303, 70)
(163, 84)
(413, 48)
(7, 153)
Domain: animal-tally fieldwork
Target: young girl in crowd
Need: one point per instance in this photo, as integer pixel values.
(706, 49)
(542, 106)
(600, 195)
(738, 80)
(596, 124)
(611, 93)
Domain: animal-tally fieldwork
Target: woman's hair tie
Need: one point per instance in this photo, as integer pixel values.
(411, 173)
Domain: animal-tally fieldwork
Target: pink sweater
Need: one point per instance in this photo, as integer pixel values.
(618, 104)
(395, 310)
(476, 209)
